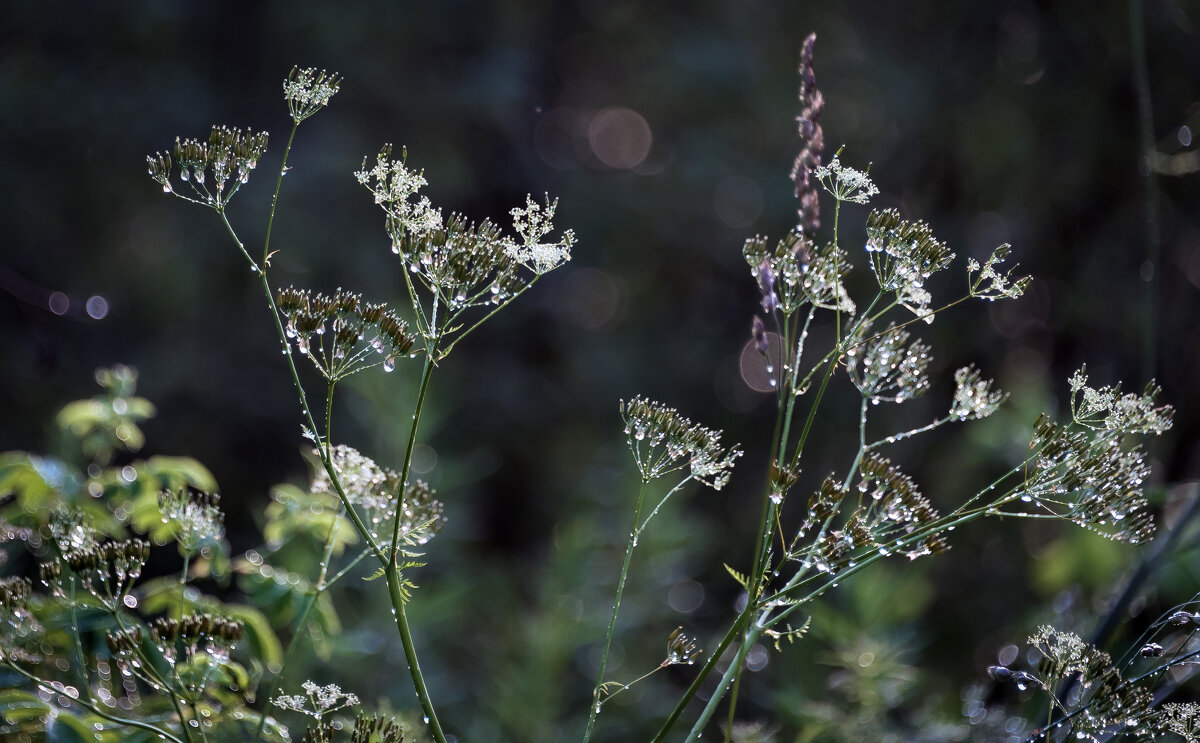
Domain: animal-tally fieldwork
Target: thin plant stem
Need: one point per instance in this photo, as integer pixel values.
(426, 374)
(410, 654)
(594, 712)
(301, 623)
(287, 150)
(100, 711)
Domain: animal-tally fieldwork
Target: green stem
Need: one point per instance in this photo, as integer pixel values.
(392, 567)
(612, 622)
(410, 654)
(426, 373)
(275, 198)
(734, 630)
(99, 711)
(288, 654)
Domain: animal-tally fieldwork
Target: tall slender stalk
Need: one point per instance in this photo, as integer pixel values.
(594, 711)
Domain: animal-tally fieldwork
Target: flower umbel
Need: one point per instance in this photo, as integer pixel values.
(973, 395)
(308, 91)
(845, 183)
(228, 153)
(663, 441)
(903, 256)
(197, 519)
(341, 334)
(533, 223)
(317, 701)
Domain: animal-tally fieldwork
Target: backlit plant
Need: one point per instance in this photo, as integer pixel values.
(181, 665)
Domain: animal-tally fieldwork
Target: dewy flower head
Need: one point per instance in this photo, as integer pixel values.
(356, 331)
(973, 395)
(395, 188)
(845, 183)
(197, 518)
(1106, 408)
(376, 492)
(308, 91)
(890, 369)
(533, 223)
(663, 441)
(228, 153)
(317, 701)
(903, 256)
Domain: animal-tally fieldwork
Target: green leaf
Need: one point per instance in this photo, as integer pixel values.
(741, 579)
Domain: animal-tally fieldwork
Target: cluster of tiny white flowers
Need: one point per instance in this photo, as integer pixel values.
(317, 701)
(999, 285)
(395, 187)
(308, 91)
(845, 183)
(973, 395)
(822, 282)
(1108, 409)
(532, 223)
(892, 369)
(199, 522)
(663, 441)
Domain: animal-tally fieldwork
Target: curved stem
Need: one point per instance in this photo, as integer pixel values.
(612, 622)
(99, 711)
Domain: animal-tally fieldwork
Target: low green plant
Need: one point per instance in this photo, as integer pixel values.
(104, 650)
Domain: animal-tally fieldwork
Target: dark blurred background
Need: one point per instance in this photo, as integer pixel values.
(668, 134)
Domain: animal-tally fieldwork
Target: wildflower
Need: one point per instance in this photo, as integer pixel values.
(973, 396)
(377, 491)
(781, 272)
(533, 223)
(1182, 719)
(197, 519)
(1106, 408)
(376, 729)
(317, 701)
(340, 334)
(903, 256)
(17, 623)
(663, 441)
(228, 153)
(822, 281)
(812, 141)
(681, 649)
(999, 285)
(890, 369)
(395, 187)
(308, 91)
(845, 183)
(107, 571)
